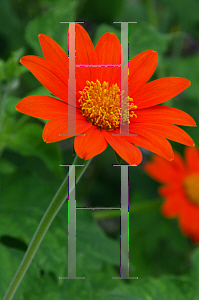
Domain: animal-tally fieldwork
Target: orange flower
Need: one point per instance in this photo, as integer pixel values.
(98, 99)
(181, 188)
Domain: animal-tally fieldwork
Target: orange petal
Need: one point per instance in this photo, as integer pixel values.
(192, 159)
(157, 144)
(169, 131)
(48, 74)
(93, 143)
(53, 52)
(176, 134)
(166, 190)
(108, 50)
(167, 172)
(179, 165)
(141, 68)
(43, 107)
(161, 170)
(57, 126)
(158, 91)
(130, 153)
(85, 54)
(172, 206)
(163, 114)
(153, 141)
(189, 220)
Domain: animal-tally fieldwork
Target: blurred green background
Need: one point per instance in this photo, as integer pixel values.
(166, 262)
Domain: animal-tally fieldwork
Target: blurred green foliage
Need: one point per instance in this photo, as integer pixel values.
(165, 261)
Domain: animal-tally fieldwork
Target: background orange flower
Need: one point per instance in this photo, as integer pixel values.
(180, 189)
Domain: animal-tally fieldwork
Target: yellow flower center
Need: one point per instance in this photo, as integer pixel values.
(100, 104)
(191, 186)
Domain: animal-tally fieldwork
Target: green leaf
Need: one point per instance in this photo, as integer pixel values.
(92, 243)
(25, 195)
(164, 288)
(11, 102)
(46, 287)
(27, 141)
(144, 37)
(183, 67)
(96, 285)
(21, 209)
(49, 23)
(6, 167)
(194, 272)
(9, 262)
(11, 69)
(153, 243)
(21, 222)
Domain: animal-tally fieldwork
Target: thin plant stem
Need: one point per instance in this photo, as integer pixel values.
(46, 221)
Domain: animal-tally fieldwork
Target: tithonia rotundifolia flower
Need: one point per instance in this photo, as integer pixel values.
(98, 97)
(180, 190)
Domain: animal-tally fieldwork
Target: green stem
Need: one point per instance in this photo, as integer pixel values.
(47, 219)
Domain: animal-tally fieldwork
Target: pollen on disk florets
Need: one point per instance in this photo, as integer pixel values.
(191, 186)
(100, 104)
